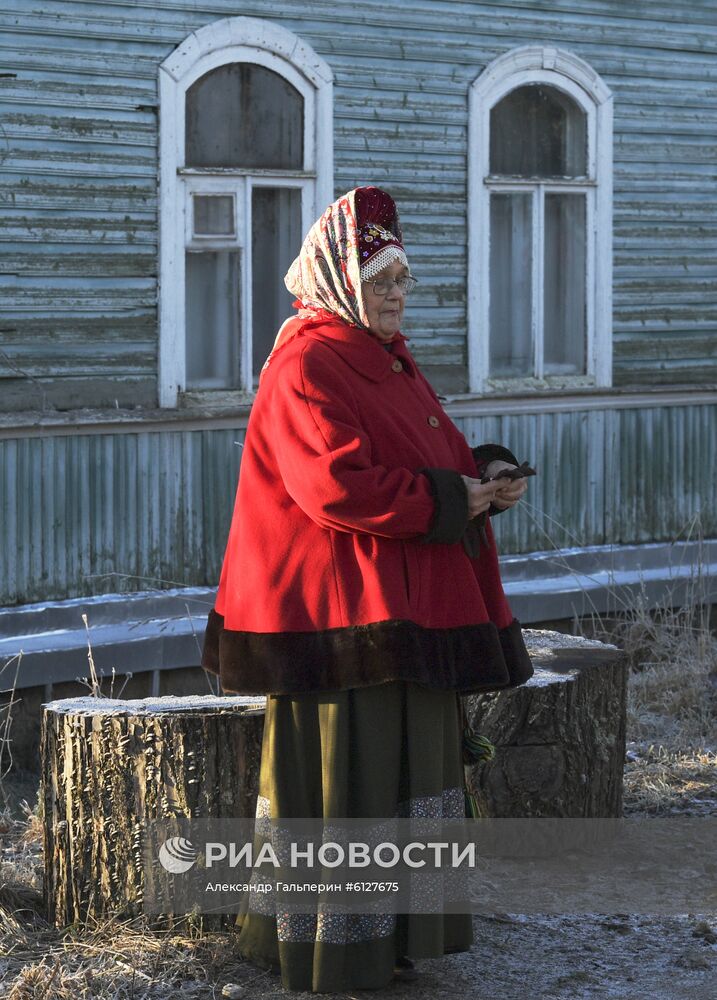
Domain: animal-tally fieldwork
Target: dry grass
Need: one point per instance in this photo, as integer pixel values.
(672, 685)
(6, 710)
(673, 676)
(671, 724)
(107, 959)
(671, 762)
(670, 767)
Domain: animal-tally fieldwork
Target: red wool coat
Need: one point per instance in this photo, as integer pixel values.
(345, 565)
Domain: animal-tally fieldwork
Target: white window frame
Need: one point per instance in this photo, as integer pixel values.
(232, 39)
(565, 71)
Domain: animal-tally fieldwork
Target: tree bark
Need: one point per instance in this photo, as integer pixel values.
(110, 767)
(560, 738)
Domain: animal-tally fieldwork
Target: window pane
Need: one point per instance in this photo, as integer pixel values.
(538, 131)
(275, 241)
(511, 351)
(213, 214)
(565, 332)
(243, 115)
(212, 319)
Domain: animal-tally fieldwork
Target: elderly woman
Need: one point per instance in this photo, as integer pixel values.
(353, 593)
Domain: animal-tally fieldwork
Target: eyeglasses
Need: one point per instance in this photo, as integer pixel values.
(382, 286)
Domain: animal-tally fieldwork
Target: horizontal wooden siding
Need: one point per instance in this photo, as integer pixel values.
(78, 160)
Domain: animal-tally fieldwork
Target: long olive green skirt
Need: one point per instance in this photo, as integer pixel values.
(382, 751)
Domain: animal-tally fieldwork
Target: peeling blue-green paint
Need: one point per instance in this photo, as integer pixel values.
(94, 513)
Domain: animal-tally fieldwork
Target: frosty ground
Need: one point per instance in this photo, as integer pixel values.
(670, 770)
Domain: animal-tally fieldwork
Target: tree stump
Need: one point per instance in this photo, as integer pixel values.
(109, 766)
(560, 738)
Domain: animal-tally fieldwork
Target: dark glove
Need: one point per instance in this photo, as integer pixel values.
(475, 532)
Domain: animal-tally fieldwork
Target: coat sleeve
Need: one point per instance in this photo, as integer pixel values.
(324, 459)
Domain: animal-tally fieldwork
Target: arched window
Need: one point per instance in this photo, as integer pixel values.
(246, 164)
(540, 193)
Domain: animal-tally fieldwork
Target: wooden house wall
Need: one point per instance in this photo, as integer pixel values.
(125, 510)
(78, 229)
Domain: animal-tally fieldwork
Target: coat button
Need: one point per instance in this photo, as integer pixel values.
(397, 366)
(434, 421)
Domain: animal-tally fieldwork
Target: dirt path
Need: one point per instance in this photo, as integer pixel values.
(580, 957)
(514, 957)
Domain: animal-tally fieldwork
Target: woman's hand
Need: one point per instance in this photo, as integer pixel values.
(511, 490)
(482, 495)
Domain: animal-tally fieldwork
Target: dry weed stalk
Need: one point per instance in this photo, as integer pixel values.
(672, 685)
(5, 727)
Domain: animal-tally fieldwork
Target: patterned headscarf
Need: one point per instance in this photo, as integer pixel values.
(326, 275)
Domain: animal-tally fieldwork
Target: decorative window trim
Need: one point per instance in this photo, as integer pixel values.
(232, 39)
(572, 75)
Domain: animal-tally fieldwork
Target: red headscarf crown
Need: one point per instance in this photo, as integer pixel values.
(375, 205)
(379, 232)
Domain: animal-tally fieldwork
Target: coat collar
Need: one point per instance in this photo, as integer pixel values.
(360, 350)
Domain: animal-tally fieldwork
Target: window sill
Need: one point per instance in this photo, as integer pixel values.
(549, 383)
(568, 399)
(234, 412)
(214, 399)
(38, 423)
